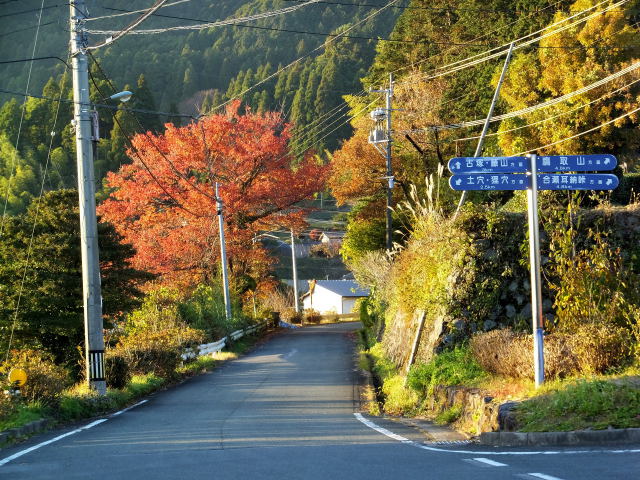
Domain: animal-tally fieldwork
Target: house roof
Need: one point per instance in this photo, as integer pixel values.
(344, 288)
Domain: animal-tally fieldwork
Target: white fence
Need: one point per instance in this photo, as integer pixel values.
(211, 348)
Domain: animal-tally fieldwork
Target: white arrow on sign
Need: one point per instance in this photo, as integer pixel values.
(459, 181)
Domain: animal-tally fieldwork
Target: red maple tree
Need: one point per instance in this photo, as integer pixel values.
(164, 202)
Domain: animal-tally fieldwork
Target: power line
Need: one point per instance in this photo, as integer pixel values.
(300, 32)
(502, 50)
(150, 139)
(33, 10)
(100, 105)
(129, 28)
(25, 29)
(130, 12)
(299, 59)
(580, 134)
(36, 217)
(220, 23)
(24, 60)
(412, 7)
(22, 113)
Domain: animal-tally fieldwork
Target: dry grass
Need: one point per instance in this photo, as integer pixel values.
(592, 349)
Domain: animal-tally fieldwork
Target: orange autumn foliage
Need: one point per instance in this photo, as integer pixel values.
(164, 204)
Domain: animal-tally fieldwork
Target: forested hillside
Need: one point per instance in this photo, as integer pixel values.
(190, 71)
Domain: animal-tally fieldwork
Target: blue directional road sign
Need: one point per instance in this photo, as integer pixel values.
(488, 165)
(577, 181)
(576, 163)
(546, 181)
(484, 181)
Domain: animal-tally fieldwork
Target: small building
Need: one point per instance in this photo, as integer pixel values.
(333, 296)
(332, 239)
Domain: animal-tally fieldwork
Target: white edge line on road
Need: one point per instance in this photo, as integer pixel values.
(543, 476)
(4, 461)
(129, 408)
(493, 463)
(404, 440)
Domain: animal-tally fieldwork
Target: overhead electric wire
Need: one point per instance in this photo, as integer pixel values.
(299, 32)
(129, 12)
(36, 217)
(327, 34)
(476, 91)
(545, 104)
(130, 27)
(100, 105)
(299, 59)
(149, 139)
(25, 29)
(580, 134)
(144, 164)
(24, 60)
(459, 65)
(521, 42)
(220, 23)
(558, 115)
(17, 142)
(33, 10)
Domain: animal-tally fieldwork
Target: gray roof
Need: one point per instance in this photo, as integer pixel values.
(344, 288)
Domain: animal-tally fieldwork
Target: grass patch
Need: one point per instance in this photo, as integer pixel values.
(449, 368)
(23, 414)
(383, 368)
(581, 404)
(199, 365)
(449, 416)
(398, 399)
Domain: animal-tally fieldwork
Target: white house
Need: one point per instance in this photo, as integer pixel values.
(333, 296)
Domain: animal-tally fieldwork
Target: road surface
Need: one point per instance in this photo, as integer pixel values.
(285, 411)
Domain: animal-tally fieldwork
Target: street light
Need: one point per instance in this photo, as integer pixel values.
(123, 96)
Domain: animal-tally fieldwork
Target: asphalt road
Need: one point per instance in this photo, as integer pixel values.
(284, 411)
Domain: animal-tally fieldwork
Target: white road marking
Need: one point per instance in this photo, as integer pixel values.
(129, 408)
(490, 462)
(4, 461)
(404, 440)
(543, 476)
(291, 354)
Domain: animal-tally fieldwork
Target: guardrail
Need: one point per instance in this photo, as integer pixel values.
(213, 347)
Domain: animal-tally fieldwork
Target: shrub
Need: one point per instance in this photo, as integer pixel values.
(205, 310)
(157, 352)
(505, 352)
(81, 401)
(291, 316)
(600, 347)
(312, 316)
(116, 370)
(45, 379)
(592, 348)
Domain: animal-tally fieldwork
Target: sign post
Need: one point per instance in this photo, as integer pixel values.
(536, 284)
(523, 173)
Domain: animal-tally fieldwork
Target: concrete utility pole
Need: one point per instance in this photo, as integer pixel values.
(94, 341)
(389, 94)
(296, 303)
(223, 257)
(487, 121)
(376, 115)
